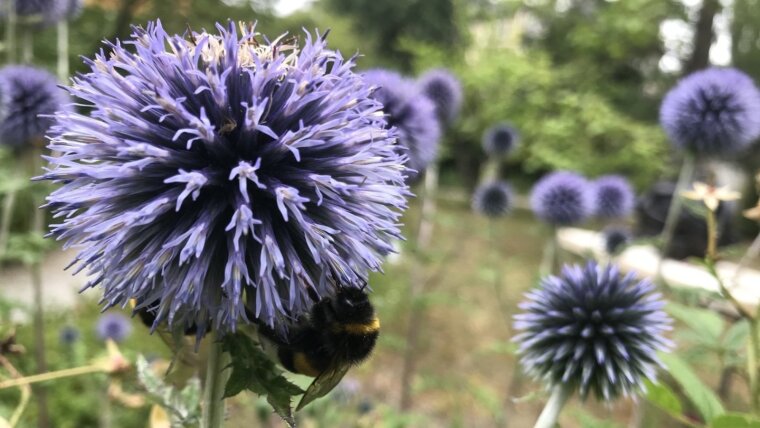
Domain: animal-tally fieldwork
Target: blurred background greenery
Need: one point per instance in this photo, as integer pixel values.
(580, 79)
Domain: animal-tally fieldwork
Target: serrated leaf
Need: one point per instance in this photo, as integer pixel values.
(183, 405)
(705, 400)
(735, 420)
(703, 321)
(662, 397)
(252, 370)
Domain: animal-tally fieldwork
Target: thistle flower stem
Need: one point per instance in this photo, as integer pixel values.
(550, 414)
(418, 285)
(9, 202)
(674, 211)
(213, 390)
(752, 364)
(10, 32)
(550, 260)
(63, 50)
(27, 46)
(754, 339)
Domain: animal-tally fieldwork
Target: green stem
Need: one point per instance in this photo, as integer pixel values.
(9, 203)
(418, 285)
(44, 377)
(63, 50)
(213, 390)
(550, 414)
(10, 32)
(27, 46)
(550, 259)
(752, 363)
(674, 211)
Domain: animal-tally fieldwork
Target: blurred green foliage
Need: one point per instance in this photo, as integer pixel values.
(580, 81)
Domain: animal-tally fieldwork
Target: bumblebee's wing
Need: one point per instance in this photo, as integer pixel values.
(323, 384)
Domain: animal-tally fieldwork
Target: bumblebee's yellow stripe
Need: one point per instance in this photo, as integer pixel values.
(303, 366)
(356, 328)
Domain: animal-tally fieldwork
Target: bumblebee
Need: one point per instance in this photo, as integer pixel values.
(339, 332)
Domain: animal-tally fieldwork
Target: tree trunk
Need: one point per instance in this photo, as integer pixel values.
(703, 37)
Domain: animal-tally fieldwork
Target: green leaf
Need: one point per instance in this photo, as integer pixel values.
(707, 403)
(703, 321)
(736, 337)
(735, 420)
(183, 406)
(662, 397)
(252, 370)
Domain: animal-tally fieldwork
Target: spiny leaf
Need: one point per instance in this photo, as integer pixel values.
(252, 370)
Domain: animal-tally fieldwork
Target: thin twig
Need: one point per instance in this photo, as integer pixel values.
(26, 392)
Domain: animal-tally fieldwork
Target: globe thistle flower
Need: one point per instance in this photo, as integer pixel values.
(113, 326)
(444, 89)
(615, 239)
(493, 199)
(562, 198)
(40, 12)
(28, 98)
(613, 197)
(594, 329)
(712, 112)
(412, 114)
(74, 8)
(217, 174)
(68, 335)
(500, 139)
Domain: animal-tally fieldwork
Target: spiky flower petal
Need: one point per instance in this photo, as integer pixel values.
(500, 139)
(217, 174)
(712, 112)
(444, 89)
(412, 113)
(613, 197)
(28, 98)
(594, 329)
(113, 326)
(562, 198)
(493, 199)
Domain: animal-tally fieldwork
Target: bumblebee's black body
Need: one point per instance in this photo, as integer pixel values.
(340, 331)
(148, 318)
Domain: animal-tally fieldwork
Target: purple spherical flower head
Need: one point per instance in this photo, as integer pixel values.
(493, 199)
(28, 98)
(74, 8)
(594, 329)
(412, 114)
(712, 112)
(220, 174)
(113, 326)
(68, 335)
(445, 90)
(39, 12)
(562, 198)
(615, 239)
(500, 139)
(613, 197)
